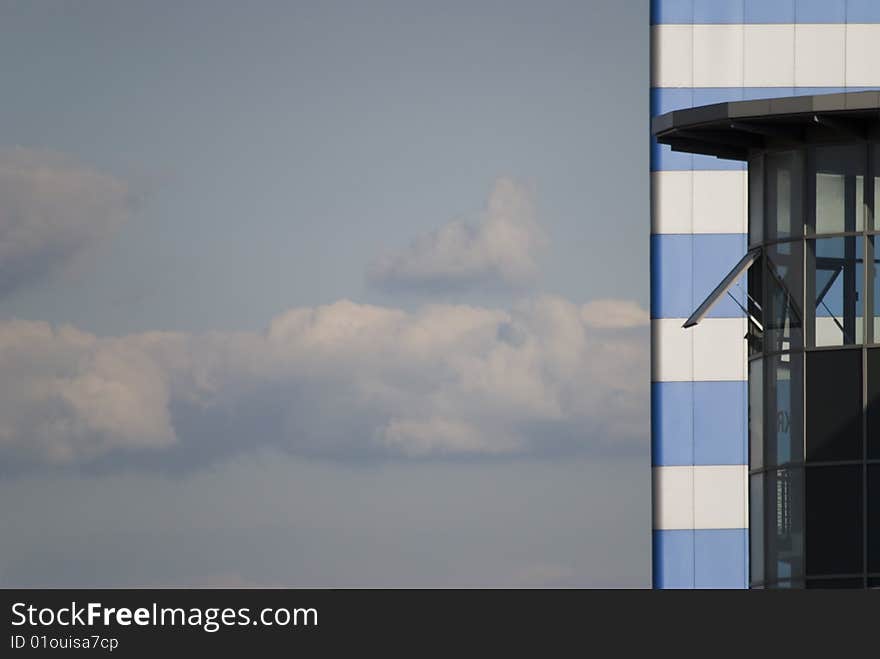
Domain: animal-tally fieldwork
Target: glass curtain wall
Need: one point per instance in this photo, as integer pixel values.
(814, 367)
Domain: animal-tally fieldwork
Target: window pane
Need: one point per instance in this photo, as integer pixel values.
(873, 518)
(833, 498)
(756, 414)
(783, 324)
(876, 165)
(840, 188)
(756, 199)
(873, 411)
(784, 409)
(873, 280)
(836, 279)
(784, 535)
(783, 206)
(755, 307)
(756, 528)
(834, 405)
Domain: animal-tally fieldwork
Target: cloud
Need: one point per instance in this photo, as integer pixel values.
(52, 209)
(499, 249)
(609, 314)
(344, 381)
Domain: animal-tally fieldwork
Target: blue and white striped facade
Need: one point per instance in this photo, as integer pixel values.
(710, 51)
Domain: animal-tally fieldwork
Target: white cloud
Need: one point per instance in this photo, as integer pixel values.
(342, 381)
(52, 209)
(500, 248)
(608, 314)
(66, 395)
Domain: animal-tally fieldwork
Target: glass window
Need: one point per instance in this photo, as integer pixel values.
(756, 414)
(783, 324)
(755, 307)
(756, 528)
(783, 526)
(756, 199)
(873, 518)
(833, 517)
(872, 281)
(783, 432)
(876, 190)
(839, 188)
(834, 405)
(782, 194)
(836, 283)
(873, 403)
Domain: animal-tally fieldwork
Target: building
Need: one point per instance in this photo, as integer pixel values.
(801, 373)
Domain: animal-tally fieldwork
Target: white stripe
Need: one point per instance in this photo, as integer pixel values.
(820, 56)
(787, 55)
(714, 350)
(862, 55)
(672, 56)
(699, 202)
(718, 56)
(672, 202)
(769, 55)
(701, 497)
(720, 202)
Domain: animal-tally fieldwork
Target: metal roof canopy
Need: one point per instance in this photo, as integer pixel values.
(732, 130)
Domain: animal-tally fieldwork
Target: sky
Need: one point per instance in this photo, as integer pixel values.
(324, 294)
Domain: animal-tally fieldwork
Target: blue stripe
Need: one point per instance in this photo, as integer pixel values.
(720, 424)
(721, 558)
(715, 558)
(862, 11)
(672, 11)
(820, 11)
(672, 423)
(729, 12)
(671, 276)
(714, 256)
(769, 11)
(763, 11)
(686, 267)
(673, 559)
(701, 423)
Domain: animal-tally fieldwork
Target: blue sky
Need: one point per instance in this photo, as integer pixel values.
(379, 268)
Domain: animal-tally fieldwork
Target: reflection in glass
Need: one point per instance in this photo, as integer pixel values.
(783, 408)
(755, 307)
(782, 193)
(756, 414)
(783, 325)
(784, 532)
(836, 278)
(839, 188)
